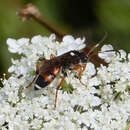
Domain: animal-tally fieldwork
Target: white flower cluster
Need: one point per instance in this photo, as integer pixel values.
(103, 104)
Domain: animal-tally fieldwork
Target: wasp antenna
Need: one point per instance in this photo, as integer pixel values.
(100, 42)
(117, 52)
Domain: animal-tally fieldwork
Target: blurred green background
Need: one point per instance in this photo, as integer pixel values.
(89, 18)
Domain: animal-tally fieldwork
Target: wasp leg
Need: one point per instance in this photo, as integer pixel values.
(41, 59)
(57, 90)
(38, 66)
(82, 69)
(32, 81)
(37, 72)
(52, 56)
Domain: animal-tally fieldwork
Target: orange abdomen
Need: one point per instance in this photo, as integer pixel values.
(46, 78)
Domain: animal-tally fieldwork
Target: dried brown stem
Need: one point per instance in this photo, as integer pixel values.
(31, 12)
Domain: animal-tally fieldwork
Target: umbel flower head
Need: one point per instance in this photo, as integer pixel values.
(103, 104)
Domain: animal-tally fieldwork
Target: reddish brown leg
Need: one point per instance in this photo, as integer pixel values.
(57, 91)
(37, 71)
(82, 69)
(52, 56)
(32, 81)
(37, 67)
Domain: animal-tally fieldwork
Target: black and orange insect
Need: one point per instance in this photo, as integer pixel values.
(48, 69)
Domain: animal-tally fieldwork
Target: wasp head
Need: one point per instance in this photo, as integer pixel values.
(83, 57)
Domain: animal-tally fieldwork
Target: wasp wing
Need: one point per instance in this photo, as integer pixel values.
(49, 65)
(93, 56)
